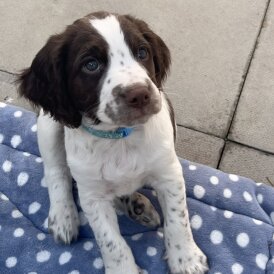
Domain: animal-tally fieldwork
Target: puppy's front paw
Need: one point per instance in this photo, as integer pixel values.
(139, 208)
(63, 222)
(187, 261)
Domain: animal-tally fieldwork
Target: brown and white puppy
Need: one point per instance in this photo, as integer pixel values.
(103, 73)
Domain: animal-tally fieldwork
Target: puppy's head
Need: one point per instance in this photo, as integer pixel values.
(104, 67)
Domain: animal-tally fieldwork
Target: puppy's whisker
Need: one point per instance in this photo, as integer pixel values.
(171, 93)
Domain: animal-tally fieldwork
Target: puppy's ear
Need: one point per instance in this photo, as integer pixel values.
(161, 57)
(45, 82)
(161, 53)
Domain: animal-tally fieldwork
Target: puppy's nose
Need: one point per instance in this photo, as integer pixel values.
(137, 96)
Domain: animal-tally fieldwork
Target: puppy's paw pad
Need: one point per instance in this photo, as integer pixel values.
(139, 208)
(63, 222)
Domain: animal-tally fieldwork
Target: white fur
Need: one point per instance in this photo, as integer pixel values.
(105, 169)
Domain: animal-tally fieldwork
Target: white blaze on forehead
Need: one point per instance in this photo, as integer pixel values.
(110, 29)
(120, 55)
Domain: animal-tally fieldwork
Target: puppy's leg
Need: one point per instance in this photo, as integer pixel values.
(139, 208)
(117, 256)
(183, 255)
(63, 216)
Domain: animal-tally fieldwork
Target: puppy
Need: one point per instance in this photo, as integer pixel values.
(106, 121)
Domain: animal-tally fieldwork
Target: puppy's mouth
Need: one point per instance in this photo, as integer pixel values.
(124, 115)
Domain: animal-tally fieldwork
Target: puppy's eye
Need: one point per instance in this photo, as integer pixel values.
(142, 53)
(92, 65)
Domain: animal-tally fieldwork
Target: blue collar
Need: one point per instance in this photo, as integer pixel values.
(119, 133)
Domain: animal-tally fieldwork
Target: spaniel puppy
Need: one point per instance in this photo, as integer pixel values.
(106, 122)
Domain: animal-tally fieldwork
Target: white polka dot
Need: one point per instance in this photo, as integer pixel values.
(242, 239)
(11, 262)
(2, 105)
(41, 236)
(247, 196)
(4, 197)
(83, 218)
(98, 263)
(27, 154)
(64, 257)
(22, 178)
(259, 184)
(17, 113)
(7, 165)
(228, 214)
(160, 234)
(0, 227)
(216, 237)
(34, 207)
(38, 160)
(18, 232)
(34, 128)
(260, 198)
(218, 273)
(272, 216)
(151, 251)
(233, 177)
(136, 237)
(16, 214)
(46, 223)
(227, 193)
(196, 222)
(74, 272)
(154, 193)
(213, 208)
(43, 182)
(1, 138)
(88, 245)
(192, 167)
(43, 256)
(15, 141)
(32, 272)
(237, 268)
(144, 271)
(272, 260)
(261, 260)
(257, 222)
(214, 180)
(199, 191)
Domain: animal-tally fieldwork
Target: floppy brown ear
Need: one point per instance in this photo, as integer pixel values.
(161, 53)
(44, 83)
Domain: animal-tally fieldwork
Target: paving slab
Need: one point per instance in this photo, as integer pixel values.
(8, 91)
(211, 52)
(210, 45)
(254, 120)
(198, 147)
(248, 162)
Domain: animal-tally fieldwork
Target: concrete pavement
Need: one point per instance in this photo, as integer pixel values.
(221, 82)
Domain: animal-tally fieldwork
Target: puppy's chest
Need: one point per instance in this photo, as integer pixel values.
(108, 163)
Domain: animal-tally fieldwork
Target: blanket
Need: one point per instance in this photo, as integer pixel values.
(231, 217)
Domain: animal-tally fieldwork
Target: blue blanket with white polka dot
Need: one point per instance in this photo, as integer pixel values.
(231, 217)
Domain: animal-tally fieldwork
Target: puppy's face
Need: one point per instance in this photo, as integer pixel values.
(104, 67)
